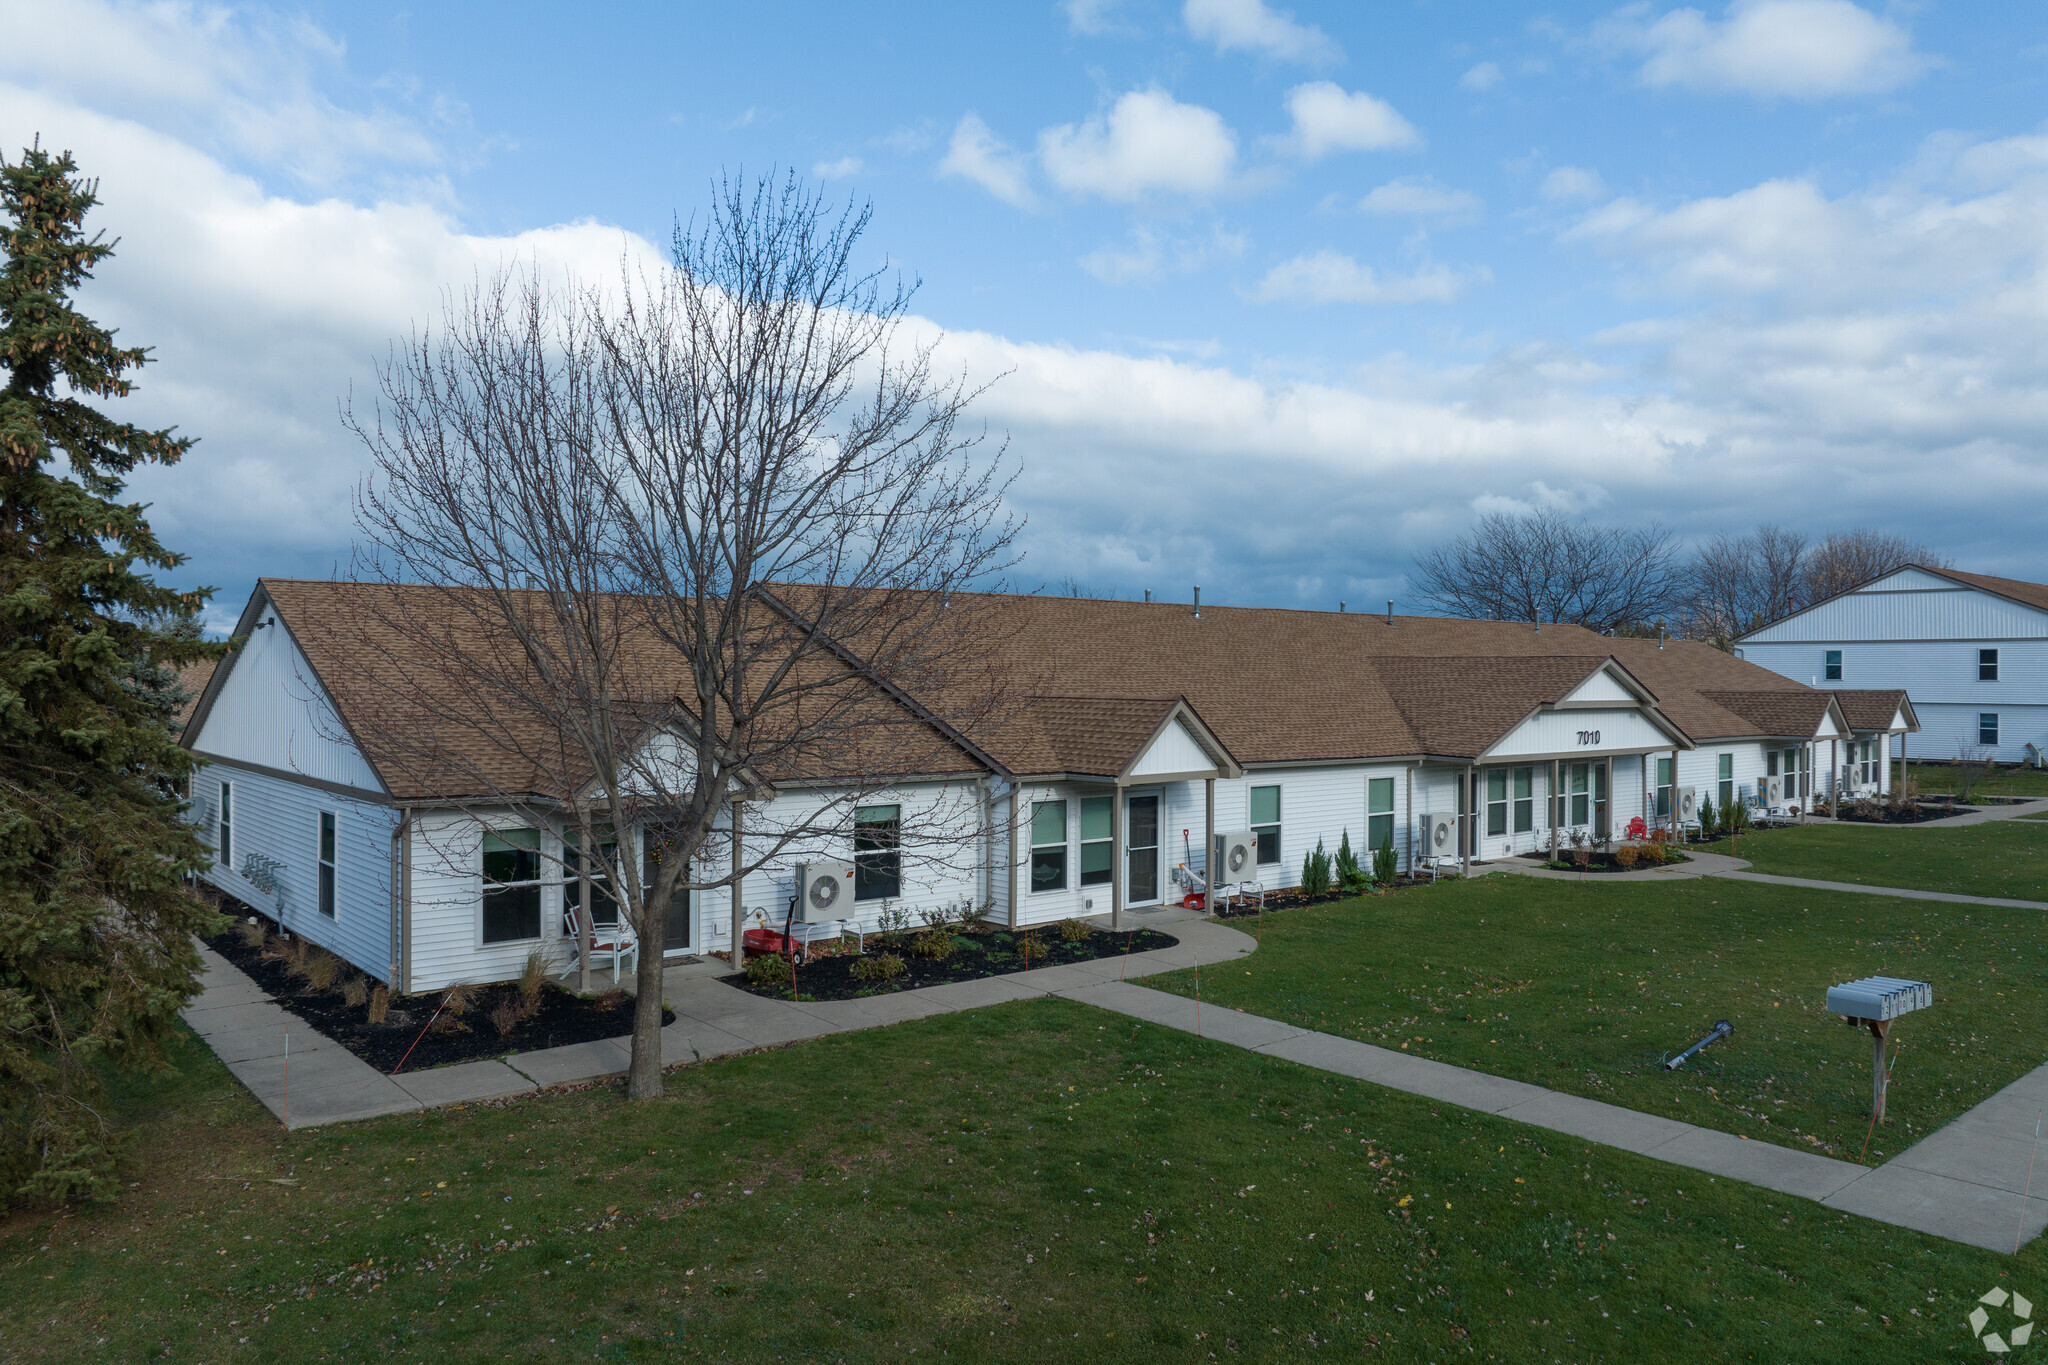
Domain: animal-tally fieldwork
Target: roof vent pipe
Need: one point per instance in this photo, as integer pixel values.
(1538, 625)
(1390, 611)
(946, 599)
(1340, 608)
(1198, 601)
(1148, 594)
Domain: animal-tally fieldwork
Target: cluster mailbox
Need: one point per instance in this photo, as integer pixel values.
(1881, 998)
(1874, 1002)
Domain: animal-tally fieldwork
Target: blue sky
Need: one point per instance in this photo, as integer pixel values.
(1280, 294)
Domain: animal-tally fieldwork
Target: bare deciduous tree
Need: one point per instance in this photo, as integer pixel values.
(695, 539)
(1738, 583)
(1546, 566)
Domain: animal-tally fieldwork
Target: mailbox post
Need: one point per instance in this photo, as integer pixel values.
(1874, 1002)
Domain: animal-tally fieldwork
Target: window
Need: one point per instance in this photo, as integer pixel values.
(1581, 791)
(1496, 802)
(1987, 727)
(1266, 822)
(511, 885)
(224, 845)
(877, 853)
(1770, 763)
(327, 863)
(603, 909)
(1096, 861)
(1525, 800)
(1869, 761)
(1379, 812)
(1987, 665)
(1048, 846)
(1833, 666)
(1726, 775)
(1663, 789)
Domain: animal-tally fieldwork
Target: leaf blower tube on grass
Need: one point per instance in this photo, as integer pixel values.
(1721, 1030)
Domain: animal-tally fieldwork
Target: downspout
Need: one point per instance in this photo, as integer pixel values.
(1468, 797)
(739, 908)
(403, 985)
(1408, 812)
(1117, 860)
(1010, 854)
(394, 972)
(1208, 846)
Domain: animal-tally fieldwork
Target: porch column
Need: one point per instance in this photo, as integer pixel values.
(1010, 853)
(1556, 803)
(1116, 857)
(1208, 846)
(1468, 800)
(739, 909)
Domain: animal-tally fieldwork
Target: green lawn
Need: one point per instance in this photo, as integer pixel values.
(1039, 1182)
(1587, 986)
(2007, 859)
(1941, 777)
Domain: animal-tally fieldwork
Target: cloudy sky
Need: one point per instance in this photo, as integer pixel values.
(1280, 296)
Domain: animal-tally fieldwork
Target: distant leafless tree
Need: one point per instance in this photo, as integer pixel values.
(703, 531)
(1848, 558)
(1545, 566)
(1738, 583)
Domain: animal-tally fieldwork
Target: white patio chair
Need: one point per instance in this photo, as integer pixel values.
(615, 938)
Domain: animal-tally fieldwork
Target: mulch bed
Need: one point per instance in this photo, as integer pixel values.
(561, 1017)
(994, 952)
(1926, 813)
(1604, 862)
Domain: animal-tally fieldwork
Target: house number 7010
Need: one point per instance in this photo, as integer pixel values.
(1589, 736)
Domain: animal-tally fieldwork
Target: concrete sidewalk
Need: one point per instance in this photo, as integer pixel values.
(1967, 1182)
(326, 1083)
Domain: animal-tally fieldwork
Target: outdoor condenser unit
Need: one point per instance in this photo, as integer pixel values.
(1439, 836)
(823, 891)
(1686, 803)
(1773, 790)
(1237, 857)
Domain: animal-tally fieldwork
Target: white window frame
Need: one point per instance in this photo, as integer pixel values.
(1063, 845)
(1373, 812)
(224, 828)
(1831, 665)
(326, 850)
(1724, 780)
(1107, 841)
(1988, 734)
(1497, 806)
(1274, 827)
(1987, 658)
(539, 882)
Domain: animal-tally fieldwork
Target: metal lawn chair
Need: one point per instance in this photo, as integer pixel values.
(615, 938)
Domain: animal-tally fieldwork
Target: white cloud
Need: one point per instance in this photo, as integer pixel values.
(1332, 277)
(1419, 196)
(1252, 26)
(838, 170)
(1152, 255)
(977, 154)
(1569, 183)
(1797, 48)
(1148, 143)
(1484, 76)
(1093, 17)
(1328, 118)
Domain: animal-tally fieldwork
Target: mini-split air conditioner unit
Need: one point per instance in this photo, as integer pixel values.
(1686, 803)
(1237, 857)
(823, 891)
(1439, 836)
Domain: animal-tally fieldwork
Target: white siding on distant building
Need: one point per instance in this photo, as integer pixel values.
(1922, 632)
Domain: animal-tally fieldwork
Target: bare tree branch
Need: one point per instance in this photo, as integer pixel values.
(1545, 566)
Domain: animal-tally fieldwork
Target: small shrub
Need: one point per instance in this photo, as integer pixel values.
(1708, 818)
(892, 919)
(1383, 862)
(458, 999)
(1650, 855)
(323, 969)
(533, 976)
(380, 1004)
(1351, 878)
(250, 931)
(1074, 930)
(354, 992)
(769, 969)
(1735, 819)
(1315, 871)
(934, 945)
(616, 998)
(876, 967)
(507, 1015)
(1625, 856)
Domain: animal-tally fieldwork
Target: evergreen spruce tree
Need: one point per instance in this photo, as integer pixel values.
(96, 925)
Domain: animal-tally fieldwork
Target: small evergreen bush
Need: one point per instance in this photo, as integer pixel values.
(1351, 878)
(1383, 862)
(1074, 930)
(1315, 872)
(1709, 817)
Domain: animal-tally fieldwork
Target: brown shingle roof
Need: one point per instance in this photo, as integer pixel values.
(1791, 712)
(1097, 735)
(1701, 689)
(1871, 708)
(2031, 594)
(1459, 706)
(193, 678)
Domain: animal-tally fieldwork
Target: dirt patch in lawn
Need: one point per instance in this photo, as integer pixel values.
(996, 952)
(493, 1021)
